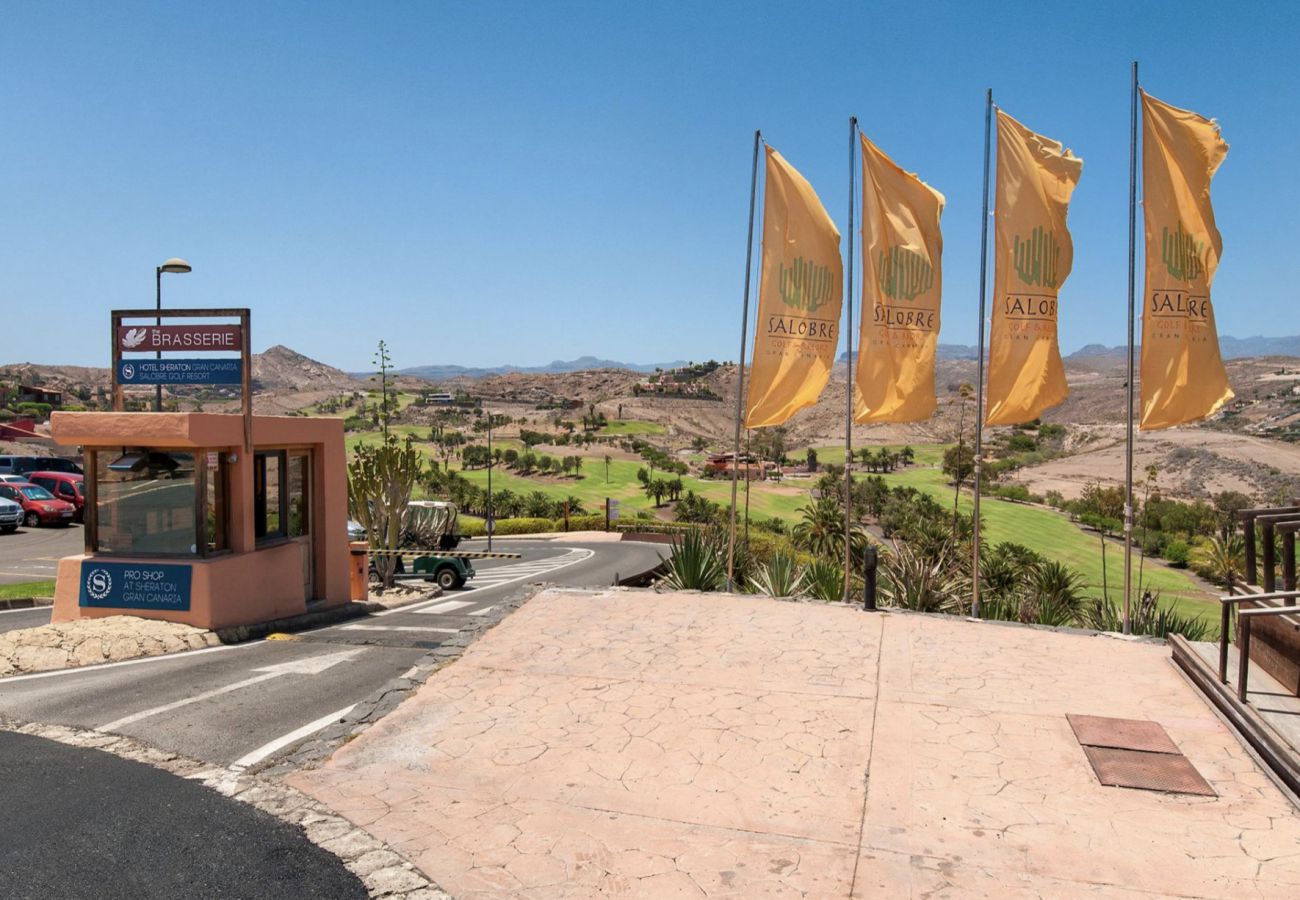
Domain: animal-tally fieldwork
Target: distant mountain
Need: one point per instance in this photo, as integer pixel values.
(1230, 347)
(581, 364)
(944, 351)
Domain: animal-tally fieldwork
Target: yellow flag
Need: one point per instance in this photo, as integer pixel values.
(799, 299)
(1183, 378)
(901, 252)
(1033, 254)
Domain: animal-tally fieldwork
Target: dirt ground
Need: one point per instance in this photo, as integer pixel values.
(1192, 462)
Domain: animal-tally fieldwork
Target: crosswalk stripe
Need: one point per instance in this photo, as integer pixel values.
(400, 628)
(484, 611)
(446, 606)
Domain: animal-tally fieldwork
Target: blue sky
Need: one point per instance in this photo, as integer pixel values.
(484, 183)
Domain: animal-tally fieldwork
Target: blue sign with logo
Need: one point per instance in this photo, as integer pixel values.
(116, 585)
(180, 371)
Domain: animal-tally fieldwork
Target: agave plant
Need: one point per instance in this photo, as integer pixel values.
(779, 578)
(695, 564)
(1148, 617)
(911, 581)
(824, 580)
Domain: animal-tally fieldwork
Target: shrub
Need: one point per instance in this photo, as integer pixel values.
(1148, 618)
(1153, 544)
(697, 563)
(1177, 553)
(1054, 499)
(39, 410)
(1017, 493)
(1021, 443)
(824, 580)
(780, 577)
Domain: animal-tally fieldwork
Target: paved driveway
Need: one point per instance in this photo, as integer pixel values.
(635, 744)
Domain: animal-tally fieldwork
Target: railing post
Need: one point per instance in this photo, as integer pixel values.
(1270, 558)
(1248, 531)
(1243, 648)
(1288, 555)
(1225, 624)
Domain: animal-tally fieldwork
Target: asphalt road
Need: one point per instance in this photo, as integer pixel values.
(33, 554)
(130, 831)
(245, 703)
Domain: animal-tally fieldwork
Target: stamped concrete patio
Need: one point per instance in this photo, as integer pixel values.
(633, 744)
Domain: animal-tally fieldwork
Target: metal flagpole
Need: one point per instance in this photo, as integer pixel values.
(848, 375)
(740, 381)
(749, 454)
(1128, 418)
(979, 387)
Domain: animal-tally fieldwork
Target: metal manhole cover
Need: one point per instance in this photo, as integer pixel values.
(1167, 772)
(1121, 734)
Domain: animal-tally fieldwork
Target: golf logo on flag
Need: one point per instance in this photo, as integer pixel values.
(903, 274)
(1038, 259)
(1181, 254)
(806, 285)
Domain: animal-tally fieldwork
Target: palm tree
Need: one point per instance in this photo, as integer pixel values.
(821, 531)
(1226, 558)
(607, 461)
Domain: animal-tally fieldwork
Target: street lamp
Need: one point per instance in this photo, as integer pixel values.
(491, 522)
(173, 266)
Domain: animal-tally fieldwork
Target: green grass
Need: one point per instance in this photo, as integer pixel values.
(1053, 535)
(765, 501)
(27, 589)
(925, 454)
(632, 426)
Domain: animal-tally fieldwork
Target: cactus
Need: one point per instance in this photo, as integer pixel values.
(1182, 254)
(1038, 259)
(805, 285)
(903, 274)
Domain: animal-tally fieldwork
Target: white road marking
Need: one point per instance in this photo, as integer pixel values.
(285, 740)
(312, 665)
(25, 609)
(90, 670)
(486, 581)
(400, 628)
(484, 611)
(447, 606)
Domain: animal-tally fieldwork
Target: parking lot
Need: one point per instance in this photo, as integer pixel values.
(32, 554)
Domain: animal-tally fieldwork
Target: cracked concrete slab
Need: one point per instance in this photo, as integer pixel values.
(681, 745)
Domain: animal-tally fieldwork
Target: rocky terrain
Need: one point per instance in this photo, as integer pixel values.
(1244, 447)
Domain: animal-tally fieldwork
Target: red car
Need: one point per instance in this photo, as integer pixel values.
(40, 507)
(65, 486)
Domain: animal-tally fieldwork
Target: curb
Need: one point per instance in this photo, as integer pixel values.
(26, 602)
(384, 872)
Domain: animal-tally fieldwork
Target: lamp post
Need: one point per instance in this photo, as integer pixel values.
(173, 266)
(491, 522)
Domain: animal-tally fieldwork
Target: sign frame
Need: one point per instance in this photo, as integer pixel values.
(244, 314)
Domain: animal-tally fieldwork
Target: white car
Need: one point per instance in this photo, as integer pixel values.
(11, 516)
(12, 479)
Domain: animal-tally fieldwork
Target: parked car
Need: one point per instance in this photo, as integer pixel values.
(40, 507)
(21, 465)
(10, 479)
(11, 516)
(65, 486)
